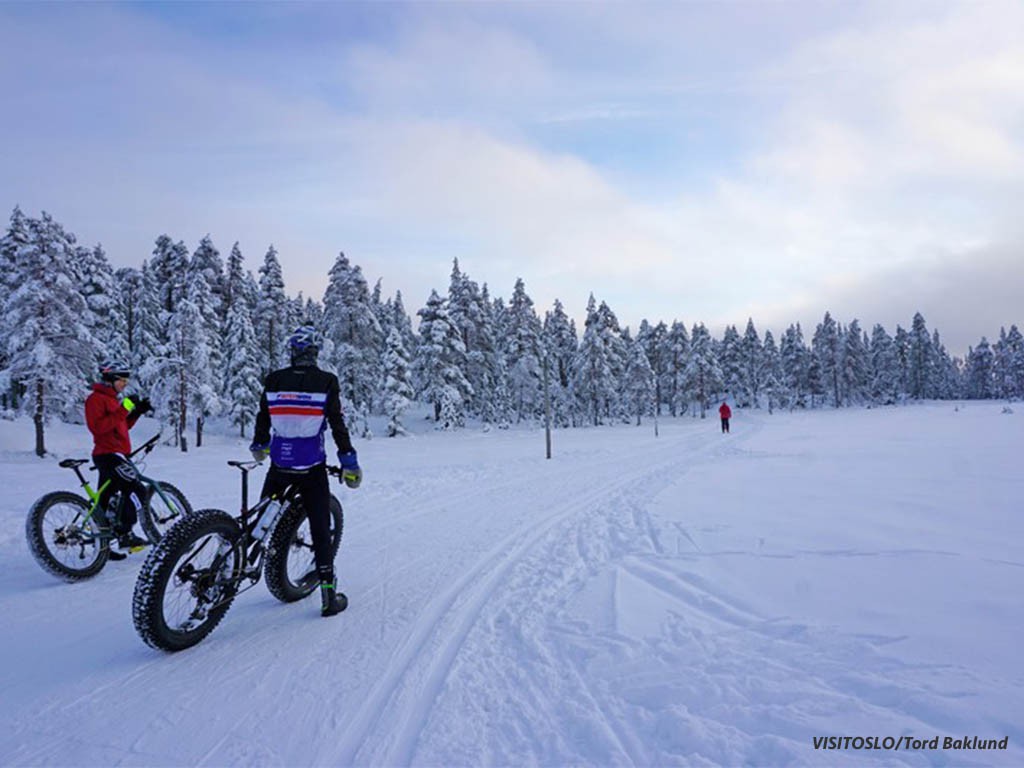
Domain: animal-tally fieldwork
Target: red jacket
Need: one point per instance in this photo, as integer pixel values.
(724, 411)
(108, 421)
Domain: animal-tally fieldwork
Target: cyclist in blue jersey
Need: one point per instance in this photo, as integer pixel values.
(298, 404)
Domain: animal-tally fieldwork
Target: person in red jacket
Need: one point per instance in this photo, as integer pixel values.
(726, 413)
(109, 416)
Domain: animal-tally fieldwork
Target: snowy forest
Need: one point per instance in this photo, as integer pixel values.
(200, 335)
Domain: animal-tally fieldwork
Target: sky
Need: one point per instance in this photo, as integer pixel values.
(696, 161)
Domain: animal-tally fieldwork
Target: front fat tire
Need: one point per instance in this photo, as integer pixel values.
(286, 583)
(45, 550)
(158, 572)
(152, 526)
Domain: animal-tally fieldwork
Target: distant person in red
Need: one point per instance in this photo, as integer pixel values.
(726, 413)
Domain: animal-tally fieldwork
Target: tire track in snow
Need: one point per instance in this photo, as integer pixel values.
(461, 604)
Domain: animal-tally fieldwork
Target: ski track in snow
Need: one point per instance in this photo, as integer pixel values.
(501, 613)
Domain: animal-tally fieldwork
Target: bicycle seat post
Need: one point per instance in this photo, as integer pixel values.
(245, 489)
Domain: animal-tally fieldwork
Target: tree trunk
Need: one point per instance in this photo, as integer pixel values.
(38, 417)
(182, 408)
(199, 431)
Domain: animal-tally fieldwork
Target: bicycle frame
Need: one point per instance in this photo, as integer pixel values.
(96, 495)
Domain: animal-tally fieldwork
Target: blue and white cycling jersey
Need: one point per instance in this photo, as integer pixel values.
(298, 423)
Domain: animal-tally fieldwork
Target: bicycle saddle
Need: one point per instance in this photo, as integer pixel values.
(246, 465)
(72, 463)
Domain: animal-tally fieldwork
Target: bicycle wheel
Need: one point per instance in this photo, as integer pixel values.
(290, 568)
(156, 516)
(189, 581)
(59, 539)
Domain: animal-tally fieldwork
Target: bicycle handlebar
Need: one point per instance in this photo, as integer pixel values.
(147, 446)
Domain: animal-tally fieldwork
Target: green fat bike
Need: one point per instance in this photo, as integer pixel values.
(69, 540)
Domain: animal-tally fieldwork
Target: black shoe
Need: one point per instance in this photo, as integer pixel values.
(113, 554)
(130, 542)
(332, 602)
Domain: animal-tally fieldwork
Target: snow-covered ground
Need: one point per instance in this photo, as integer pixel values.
(692, 598)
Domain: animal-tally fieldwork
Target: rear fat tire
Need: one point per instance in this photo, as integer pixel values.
(158, 572)
(39, 534)
(291, 586)
(154, 508)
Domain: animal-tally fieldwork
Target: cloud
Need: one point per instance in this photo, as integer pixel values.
(854, 145)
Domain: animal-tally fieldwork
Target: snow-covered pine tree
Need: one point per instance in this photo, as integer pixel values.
(795, 360)
(1015, 363)
(271, 318)
(980, 371)
(901, 348)
(921, 362)
(677, 357)
(205, 356)
(883, 367)
(731, 360)
(16, 237)
(703, 373)
(352, 326)
(771, 372)
(398, 392)
(439, 364)
(523, 355)
(560, 344)
(50, 351)
(827, 347)
(639, 380)
(242, 384)
(854, 377)
(753, 364)
(128, 290)
(471, 317)
(96, 284)
(652, 339)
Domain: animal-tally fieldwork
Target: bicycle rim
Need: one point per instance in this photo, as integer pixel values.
(201, 581)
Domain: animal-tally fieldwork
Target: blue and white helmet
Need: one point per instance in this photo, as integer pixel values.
(305, 339)
(111, 370)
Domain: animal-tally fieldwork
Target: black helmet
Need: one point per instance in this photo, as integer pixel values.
(114, 369)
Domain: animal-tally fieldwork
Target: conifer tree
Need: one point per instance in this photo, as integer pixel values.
(854, 377)
(795, 361)
(352, 326)
(523, 354)
(703, 372)
(398, 392)
(639, 380)
(242, 387)
(50, 351)
(921, 363)
(271, 323)
(677, 357)
(980, 371)
(884, 368)
(560, 345)
(771, 372)
(752, 363)
(827, 345)
(439, 364)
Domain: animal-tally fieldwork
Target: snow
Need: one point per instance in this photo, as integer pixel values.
(692, 598)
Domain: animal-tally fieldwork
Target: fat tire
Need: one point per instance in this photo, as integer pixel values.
(39, 545)
(153, 528)
(158, 571)
(275, 568)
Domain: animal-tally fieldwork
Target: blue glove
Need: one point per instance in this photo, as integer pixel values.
(259, 452)
(351, 474)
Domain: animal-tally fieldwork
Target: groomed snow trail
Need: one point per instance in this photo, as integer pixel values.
(688, 599)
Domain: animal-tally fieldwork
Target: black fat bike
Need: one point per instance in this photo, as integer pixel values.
(190, 579)
(69, 540)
